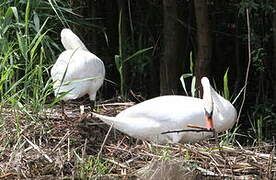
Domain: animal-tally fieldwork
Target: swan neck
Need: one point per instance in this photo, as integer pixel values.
(207, 97)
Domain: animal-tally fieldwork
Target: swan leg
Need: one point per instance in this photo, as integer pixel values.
(63, 114)
(92, 105)
(92, 97)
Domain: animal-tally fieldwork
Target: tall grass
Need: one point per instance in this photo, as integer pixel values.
(123, 56)
(23, 60)
(93, 168)
(263, 122)
(27, 51)
(188, 75)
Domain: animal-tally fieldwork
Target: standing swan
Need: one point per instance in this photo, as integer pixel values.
(76, 71)
(147, 120)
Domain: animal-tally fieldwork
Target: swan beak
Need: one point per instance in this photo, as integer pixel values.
(209, 120)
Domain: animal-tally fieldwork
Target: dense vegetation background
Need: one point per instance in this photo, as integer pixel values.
(146, 46)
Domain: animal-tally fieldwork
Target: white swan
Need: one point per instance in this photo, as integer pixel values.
(76, 71)
(147, 120)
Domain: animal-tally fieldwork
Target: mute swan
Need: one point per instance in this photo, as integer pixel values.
(76, 71)
(147, 120)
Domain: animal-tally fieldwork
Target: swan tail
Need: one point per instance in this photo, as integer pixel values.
(107, 119)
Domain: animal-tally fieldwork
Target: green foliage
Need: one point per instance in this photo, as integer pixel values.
(261, 116)
(258, 56)
(123, 57)
(188, 75)
(92, 167)
(164, 153)
(182, 79)
(229, 137)
(27, 51)
(251, 4)
(266, 6)
(193, 82)
(225, 85)
(23, 59)
(263, 120)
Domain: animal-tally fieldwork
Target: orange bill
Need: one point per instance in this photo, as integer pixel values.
(209, 122)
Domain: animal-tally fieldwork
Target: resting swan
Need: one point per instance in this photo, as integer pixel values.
(76, 71)
(147, 120)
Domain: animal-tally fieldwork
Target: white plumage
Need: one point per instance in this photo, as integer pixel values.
(147, 120)
(77, 70)
(71, 41)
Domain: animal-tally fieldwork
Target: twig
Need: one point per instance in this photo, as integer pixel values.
(84, 148)
(221, 152)
(6, 175)
(187, 130)
(116, 104)
(131, 160)
(61, 141)
(106, 136)
(197, 129)
(270, 162)
(68, 149)
(81, 109)
(249, 62)
(210, 173)
(38, 149)
(117, 163)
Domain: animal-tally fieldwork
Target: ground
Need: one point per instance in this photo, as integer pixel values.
(45, 146)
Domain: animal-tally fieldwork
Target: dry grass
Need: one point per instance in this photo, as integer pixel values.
(48, 147)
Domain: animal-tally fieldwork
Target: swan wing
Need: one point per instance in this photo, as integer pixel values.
(161, 114)
(81, 71)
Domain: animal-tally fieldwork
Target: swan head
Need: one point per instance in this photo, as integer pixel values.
(208, 103)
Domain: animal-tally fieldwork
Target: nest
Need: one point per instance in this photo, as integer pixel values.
(83, 147)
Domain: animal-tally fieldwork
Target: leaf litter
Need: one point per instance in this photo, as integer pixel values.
(86, 148)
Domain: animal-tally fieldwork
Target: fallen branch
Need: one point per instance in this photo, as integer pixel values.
(196, 129)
